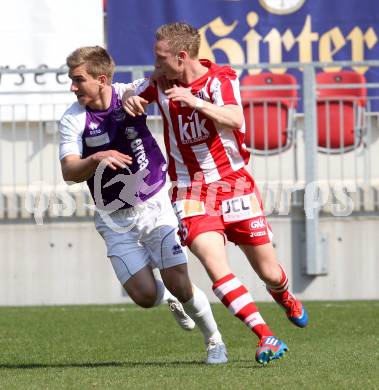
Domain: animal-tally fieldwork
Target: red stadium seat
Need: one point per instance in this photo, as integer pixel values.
(269, 111)
(340, 111)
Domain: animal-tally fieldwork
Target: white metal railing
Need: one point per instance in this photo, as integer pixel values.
(29, 144)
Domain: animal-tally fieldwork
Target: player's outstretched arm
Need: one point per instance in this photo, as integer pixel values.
(77, 169)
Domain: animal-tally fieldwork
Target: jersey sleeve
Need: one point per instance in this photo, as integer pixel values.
(225, 90)
(140, 87)
(121, 88)
(71, 128)
(146, 89)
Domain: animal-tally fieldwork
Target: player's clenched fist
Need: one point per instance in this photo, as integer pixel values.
(134, 105)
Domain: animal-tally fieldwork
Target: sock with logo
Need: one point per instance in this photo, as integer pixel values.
(234, 295)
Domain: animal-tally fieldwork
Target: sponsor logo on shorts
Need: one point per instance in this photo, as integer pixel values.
(258, 224)
(258, 234)
(177, 249)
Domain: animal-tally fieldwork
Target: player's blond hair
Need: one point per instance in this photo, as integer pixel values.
(96, 59)
(180, 36)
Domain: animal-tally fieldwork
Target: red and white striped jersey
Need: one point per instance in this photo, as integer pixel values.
(197, 147)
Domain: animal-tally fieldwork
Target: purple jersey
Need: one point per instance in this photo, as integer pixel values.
(114, 129)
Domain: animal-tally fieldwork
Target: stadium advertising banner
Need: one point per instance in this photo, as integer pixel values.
(251, 31)
(39, 34)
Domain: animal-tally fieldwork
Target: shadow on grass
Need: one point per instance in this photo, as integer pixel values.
(31, 366)
(127, 364)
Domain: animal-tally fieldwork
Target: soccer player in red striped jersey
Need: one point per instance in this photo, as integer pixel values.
(214, 197)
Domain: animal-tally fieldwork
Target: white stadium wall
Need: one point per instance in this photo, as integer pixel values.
(66, 263)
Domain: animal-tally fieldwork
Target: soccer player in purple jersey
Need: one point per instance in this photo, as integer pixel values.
(126, 172)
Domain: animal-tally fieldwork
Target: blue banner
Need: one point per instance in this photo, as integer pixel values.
(252, 31)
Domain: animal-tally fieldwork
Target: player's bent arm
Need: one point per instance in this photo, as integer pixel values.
(77, 169)
(228, 116)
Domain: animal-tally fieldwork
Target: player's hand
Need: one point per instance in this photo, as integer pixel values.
(112, 159)
(134, 105)
(180, 94)
(130, 91)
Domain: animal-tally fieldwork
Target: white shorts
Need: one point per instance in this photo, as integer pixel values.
(140, 236)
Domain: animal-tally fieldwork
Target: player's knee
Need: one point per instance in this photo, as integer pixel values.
(270, 274)
(146, 302)
(145, 299)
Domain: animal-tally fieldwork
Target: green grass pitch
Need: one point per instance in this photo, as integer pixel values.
(125, 347)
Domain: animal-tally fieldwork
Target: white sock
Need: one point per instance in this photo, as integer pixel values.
(199, 309)
(162, 293)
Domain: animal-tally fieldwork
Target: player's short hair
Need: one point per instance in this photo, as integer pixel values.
(180, 36)
(96, 59)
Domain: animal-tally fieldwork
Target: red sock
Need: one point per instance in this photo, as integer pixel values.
(280, 291)
(283, 284)
(234, 295)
